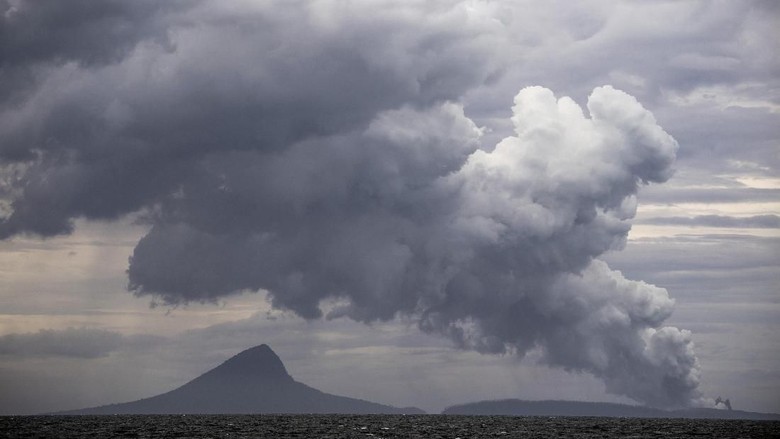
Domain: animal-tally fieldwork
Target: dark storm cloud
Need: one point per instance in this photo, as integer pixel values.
(102, 141)
(757, 221)
(320, 154)
(36, 36)
(85, 31)
(71, 342)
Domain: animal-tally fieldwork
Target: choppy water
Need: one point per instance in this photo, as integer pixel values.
(373, 426)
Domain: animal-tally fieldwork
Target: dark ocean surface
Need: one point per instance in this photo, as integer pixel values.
(374, 426)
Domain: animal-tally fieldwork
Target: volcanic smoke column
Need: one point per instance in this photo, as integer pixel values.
(532, 216)
(495, 249)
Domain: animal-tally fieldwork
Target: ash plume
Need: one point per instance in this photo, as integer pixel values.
(726, 403)
(319, 162)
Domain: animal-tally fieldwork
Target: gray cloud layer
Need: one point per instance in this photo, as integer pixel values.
(756, 221)
(323, 156)
(714, 195)
(71, 342)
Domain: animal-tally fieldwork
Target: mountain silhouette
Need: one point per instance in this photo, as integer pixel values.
(254, 381)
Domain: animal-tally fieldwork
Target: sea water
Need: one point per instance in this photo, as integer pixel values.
(374, 427)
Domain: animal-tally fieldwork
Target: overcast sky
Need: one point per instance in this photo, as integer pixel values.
(412, 202)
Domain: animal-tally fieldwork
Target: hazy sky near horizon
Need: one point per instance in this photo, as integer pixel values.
(412, 202)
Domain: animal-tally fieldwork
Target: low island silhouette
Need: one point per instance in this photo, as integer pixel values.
(255, 381)
(517, 407)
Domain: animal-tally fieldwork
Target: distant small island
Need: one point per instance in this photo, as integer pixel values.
(517, 407)
(254, 381)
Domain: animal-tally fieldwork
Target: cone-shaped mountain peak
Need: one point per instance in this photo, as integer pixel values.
(253, 381)
(259, 362)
